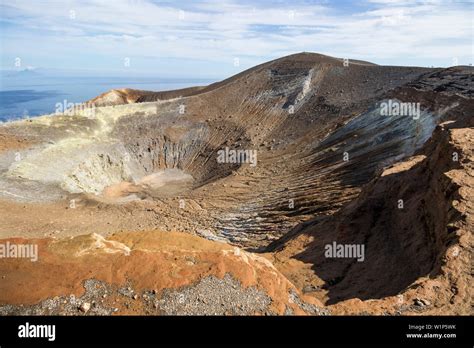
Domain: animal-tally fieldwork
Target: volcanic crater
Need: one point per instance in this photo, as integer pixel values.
(329, 167)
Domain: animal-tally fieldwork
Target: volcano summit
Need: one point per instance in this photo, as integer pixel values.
(155, 203)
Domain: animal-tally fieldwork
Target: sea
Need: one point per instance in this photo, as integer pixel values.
(29, 94)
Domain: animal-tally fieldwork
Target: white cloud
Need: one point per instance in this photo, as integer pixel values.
(395, 31)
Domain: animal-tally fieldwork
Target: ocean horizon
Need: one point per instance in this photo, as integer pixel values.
(35, 95)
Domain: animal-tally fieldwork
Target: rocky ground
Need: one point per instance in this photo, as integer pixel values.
(329, 167)
(166, 273)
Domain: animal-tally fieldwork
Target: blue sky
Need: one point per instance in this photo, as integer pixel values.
(205, 39)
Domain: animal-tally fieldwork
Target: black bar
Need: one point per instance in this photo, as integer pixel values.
(293, 331)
